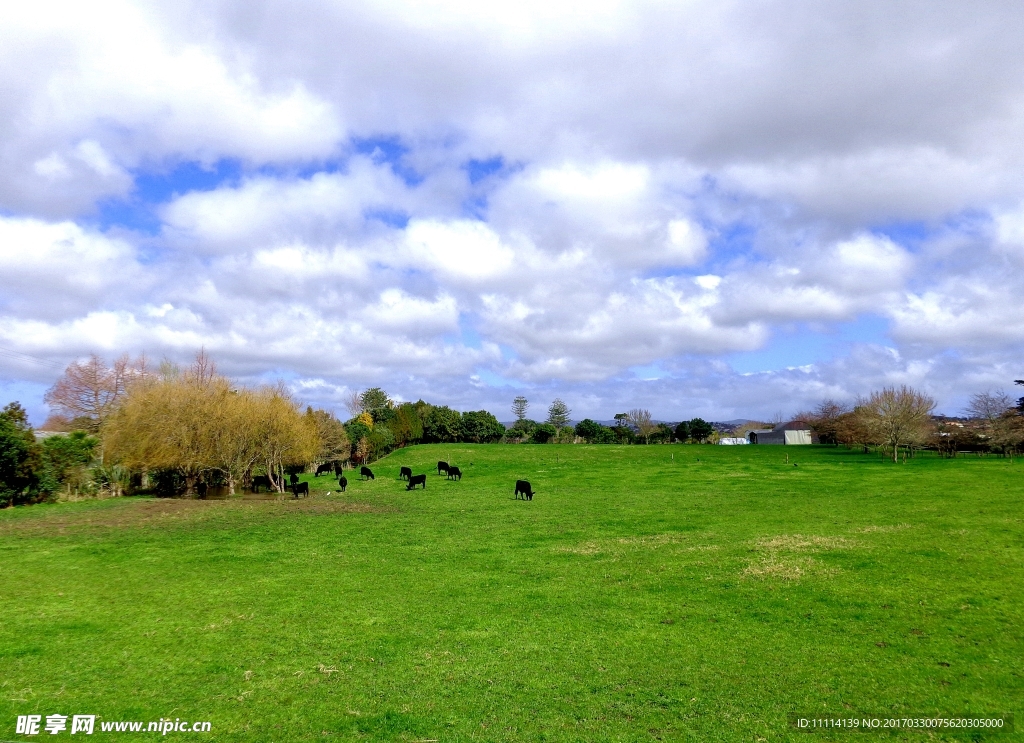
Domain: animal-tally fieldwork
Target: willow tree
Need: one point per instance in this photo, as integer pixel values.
(171, 421)
(286, 437)
(196, 422)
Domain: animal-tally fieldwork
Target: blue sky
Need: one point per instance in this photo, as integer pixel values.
(714, 209)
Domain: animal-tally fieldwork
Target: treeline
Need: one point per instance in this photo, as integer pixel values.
(897, 419)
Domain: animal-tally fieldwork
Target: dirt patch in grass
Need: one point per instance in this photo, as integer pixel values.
(139, 513)
(633, 544)
(788, 556)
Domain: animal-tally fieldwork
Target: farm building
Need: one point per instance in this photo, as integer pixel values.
(792, 433)
(733, 441)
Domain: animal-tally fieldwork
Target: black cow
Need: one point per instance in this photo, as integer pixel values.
(326, 468)
(201, 489)
(523, 488)
(454, 473)
(293, 479)
(405, 473)
(301, 488)
(367, 473)
(259, 480)
(442, 467)
(343, 483)
(417, 480)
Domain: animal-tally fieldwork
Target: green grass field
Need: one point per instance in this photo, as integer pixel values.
(636, 597)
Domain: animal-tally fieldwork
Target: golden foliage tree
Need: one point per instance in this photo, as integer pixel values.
(197, 422)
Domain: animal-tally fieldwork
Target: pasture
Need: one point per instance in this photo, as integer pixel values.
(635, 598)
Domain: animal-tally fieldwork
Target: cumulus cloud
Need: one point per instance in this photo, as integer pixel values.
(553, 194)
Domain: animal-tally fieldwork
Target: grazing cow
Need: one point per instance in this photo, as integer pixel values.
(523, 488)
(454, 473)
(326, 468)
(301, 488)
(366, 472)
(343, 483)
(259, 480)
(405, 473)
(417, 480)
(201, 489)
(442, 467)
(293, 479)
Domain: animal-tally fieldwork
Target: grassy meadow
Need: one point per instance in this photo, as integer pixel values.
(646, 593)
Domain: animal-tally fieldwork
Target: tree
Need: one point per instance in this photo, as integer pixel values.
(988, 407)
(407, 425)
(375, 399)
(67, 458)
(481, 427)
(700, 430)
(443, 425)
(196, 422)
(1020, 402)
(623, 431)
(682, 432)
(89, 390)
(521, 430)
(594, 432)
(897, 417)
(641, 422)
(519, 406)
(353, 404)
(20, 457)
(543, 433)
(825, 420)
(334, 442)
(558, 414)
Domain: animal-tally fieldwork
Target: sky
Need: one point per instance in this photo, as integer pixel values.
(715, 209)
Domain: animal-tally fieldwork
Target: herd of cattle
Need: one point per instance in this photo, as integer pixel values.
(523, 489)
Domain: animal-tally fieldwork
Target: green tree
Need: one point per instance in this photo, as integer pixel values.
(67, 457)
(356, 430)
(543, 433)
(480, 427)
(558, 414)
(519, 406)
(407, 426)
(381, 441)
(20, 457)
(682, 432)
(594, 432)
(700, 430)
(376, 402)
(443, 425)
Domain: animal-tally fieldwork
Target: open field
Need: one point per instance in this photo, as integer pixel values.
(636, 597)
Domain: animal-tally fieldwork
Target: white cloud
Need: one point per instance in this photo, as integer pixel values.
(674, 183)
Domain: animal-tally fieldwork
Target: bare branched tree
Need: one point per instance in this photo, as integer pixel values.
(88, 390)
(897, 417)
(989, 406)
(826, 420)
(640, 420)
(354, 403)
